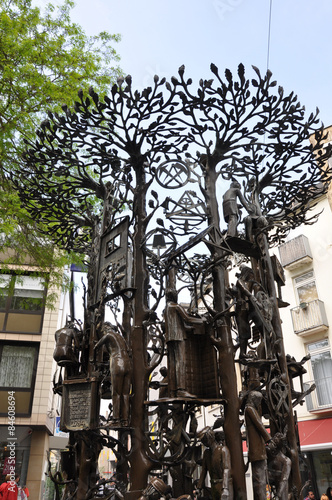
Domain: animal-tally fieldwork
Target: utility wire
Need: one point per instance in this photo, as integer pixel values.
(268, 58)
(269, 38)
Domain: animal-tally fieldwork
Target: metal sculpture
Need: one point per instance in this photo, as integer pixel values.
(120, 369)
(216, 462)
(231, 208)
(67, 345)
(257, 437)
(100, 177)
(182, 335)
(279, 466)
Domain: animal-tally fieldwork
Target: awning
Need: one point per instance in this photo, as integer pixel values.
(315, 433)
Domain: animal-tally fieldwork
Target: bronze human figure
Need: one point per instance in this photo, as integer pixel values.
(121, 372)
(231, 208)
(163, 384)
(216, 462)
(257, 436)
(251, 376)
(243, 287)
(279, 466)
(178, 324)
(156, 489)
(260, 311)
(264, 321)
(67, 344)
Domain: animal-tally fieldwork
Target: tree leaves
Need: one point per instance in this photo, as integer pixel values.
(44, 59)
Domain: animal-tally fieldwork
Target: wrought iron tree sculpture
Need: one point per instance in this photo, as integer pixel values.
(100, 176)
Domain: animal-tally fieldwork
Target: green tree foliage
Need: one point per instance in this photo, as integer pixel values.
(44, 59)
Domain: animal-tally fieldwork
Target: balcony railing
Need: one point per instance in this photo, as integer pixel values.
(321, 397)
(309, 317)
(295, 253)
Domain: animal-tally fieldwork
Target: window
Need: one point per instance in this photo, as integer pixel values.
(305, 286)
(321, 365)
(18, 366)
(21, 303)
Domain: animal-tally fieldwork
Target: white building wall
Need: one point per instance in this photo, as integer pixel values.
(320, 241)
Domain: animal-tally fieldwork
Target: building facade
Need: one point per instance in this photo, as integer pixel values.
(306, 257)
(28, 406)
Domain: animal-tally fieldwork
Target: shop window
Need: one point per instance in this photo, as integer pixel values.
(18, 366)
(305, 286)
(22, 450)
(320, 470)
(21, 303)
(321, 366)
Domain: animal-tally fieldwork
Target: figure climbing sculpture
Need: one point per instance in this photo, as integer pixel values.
(231, 208)
(121, 372)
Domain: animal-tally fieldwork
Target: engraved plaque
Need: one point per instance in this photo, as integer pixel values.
(77, 407)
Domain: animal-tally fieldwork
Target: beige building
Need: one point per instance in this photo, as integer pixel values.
(28, 407)
(307, 260)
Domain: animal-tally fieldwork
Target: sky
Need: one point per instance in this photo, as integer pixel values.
(158, 36)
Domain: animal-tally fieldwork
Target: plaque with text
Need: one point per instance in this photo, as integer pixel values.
(78, 406)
